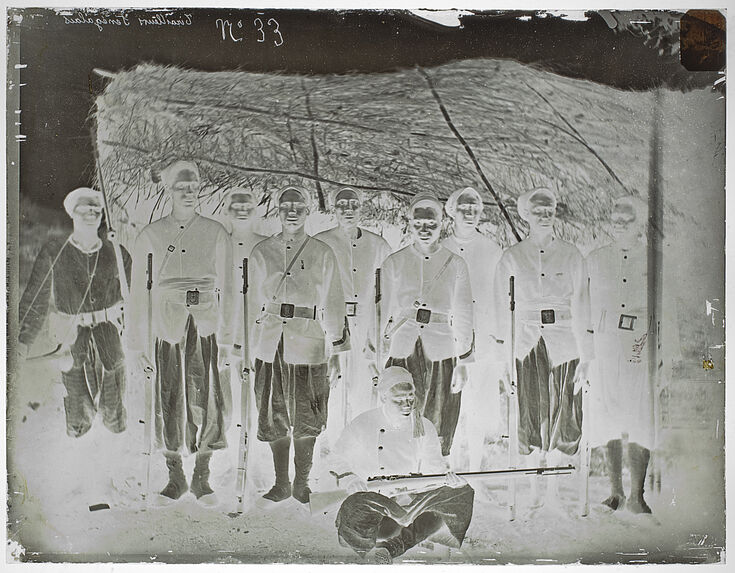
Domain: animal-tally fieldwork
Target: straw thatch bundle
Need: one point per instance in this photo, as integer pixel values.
(391, 135)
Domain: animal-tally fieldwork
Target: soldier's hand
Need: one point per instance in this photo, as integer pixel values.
(335, 370)
(111, 235)
(505, 382)
(581, 376)
(373, 370)
(145, 364)
(454, 481)
(459, 378)
(353, 484)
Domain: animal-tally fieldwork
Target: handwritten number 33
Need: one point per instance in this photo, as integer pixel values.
(271, 22)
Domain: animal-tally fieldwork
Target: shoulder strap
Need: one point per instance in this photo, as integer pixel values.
(439, 274)
(288, 268)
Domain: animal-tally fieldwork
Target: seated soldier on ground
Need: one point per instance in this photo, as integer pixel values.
(394, 439)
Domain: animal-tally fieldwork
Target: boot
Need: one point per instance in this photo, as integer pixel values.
(615, 471)
(200, 479)
(303, 455)
(638, 457)
(176, 486)
(282, 488)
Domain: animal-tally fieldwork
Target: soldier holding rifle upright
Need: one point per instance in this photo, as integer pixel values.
(192, 328)
(427, 316)
(394, 439)
(359, 252)
(300, 328)
(481, 396)
(553, 335)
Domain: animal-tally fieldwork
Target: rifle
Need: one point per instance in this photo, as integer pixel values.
(322, 502)
(148, 421)
(512, 402)
(584, 453)
(122, 277)
(378, 338)
(242, 450)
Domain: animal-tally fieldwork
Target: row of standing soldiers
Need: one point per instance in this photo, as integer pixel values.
(445, 319)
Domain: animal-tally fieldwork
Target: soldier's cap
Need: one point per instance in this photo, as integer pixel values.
(540, 195)
(72, 198)
(278, 194)
(392, 376)
(180, 171)
(631, 206)
(241, 191)
(337, 192)
(424, 199)
(451, 205)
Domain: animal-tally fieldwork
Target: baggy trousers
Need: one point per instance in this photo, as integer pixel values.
(365, 519)
(290, 397)
(550, 414)
(189, 398)
(96, 381)
(433, 382)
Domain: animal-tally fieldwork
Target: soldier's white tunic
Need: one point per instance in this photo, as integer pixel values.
(413, 281)
(357, 259)
(481, 396)
(311, 282)
(621, 396)
(546, 278)
(186, 256)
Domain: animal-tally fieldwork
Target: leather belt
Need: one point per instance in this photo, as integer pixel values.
(287, 310)
(420, 316)
(545, 316)
(92, 318)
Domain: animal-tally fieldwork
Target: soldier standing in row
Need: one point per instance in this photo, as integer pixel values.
(553, 343)
(300, 329)
(359, 252)
(192, 328)
(481, 397)
(622, 398)
(428, 308)
(239, 206)
(80, 274)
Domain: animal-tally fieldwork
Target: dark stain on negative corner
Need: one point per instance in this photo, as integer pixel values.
(702, 40)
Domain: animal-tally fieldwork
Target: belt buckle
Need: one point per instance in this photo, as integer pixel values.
(423, 315)
(351, 308)
(548, 316)
(287, 310)
(627, 322)
(192, 297)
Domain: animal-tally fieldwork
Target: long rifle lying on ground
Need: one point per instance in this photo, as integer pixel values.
(378, 339)
(148, 420)
(242, 450)
(413, 483)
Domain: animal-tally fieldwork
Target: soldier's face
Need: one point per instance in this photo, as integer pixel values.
(400, 401)
(87, 212)
(425, 224)
(184, 194)
(469, 210)
(624, 225)
(241, 207)
(347, 208)
(292, 211)
(542, 212)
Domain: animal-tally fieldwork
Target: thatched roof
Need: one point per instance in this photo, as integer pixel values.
(496, 125)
